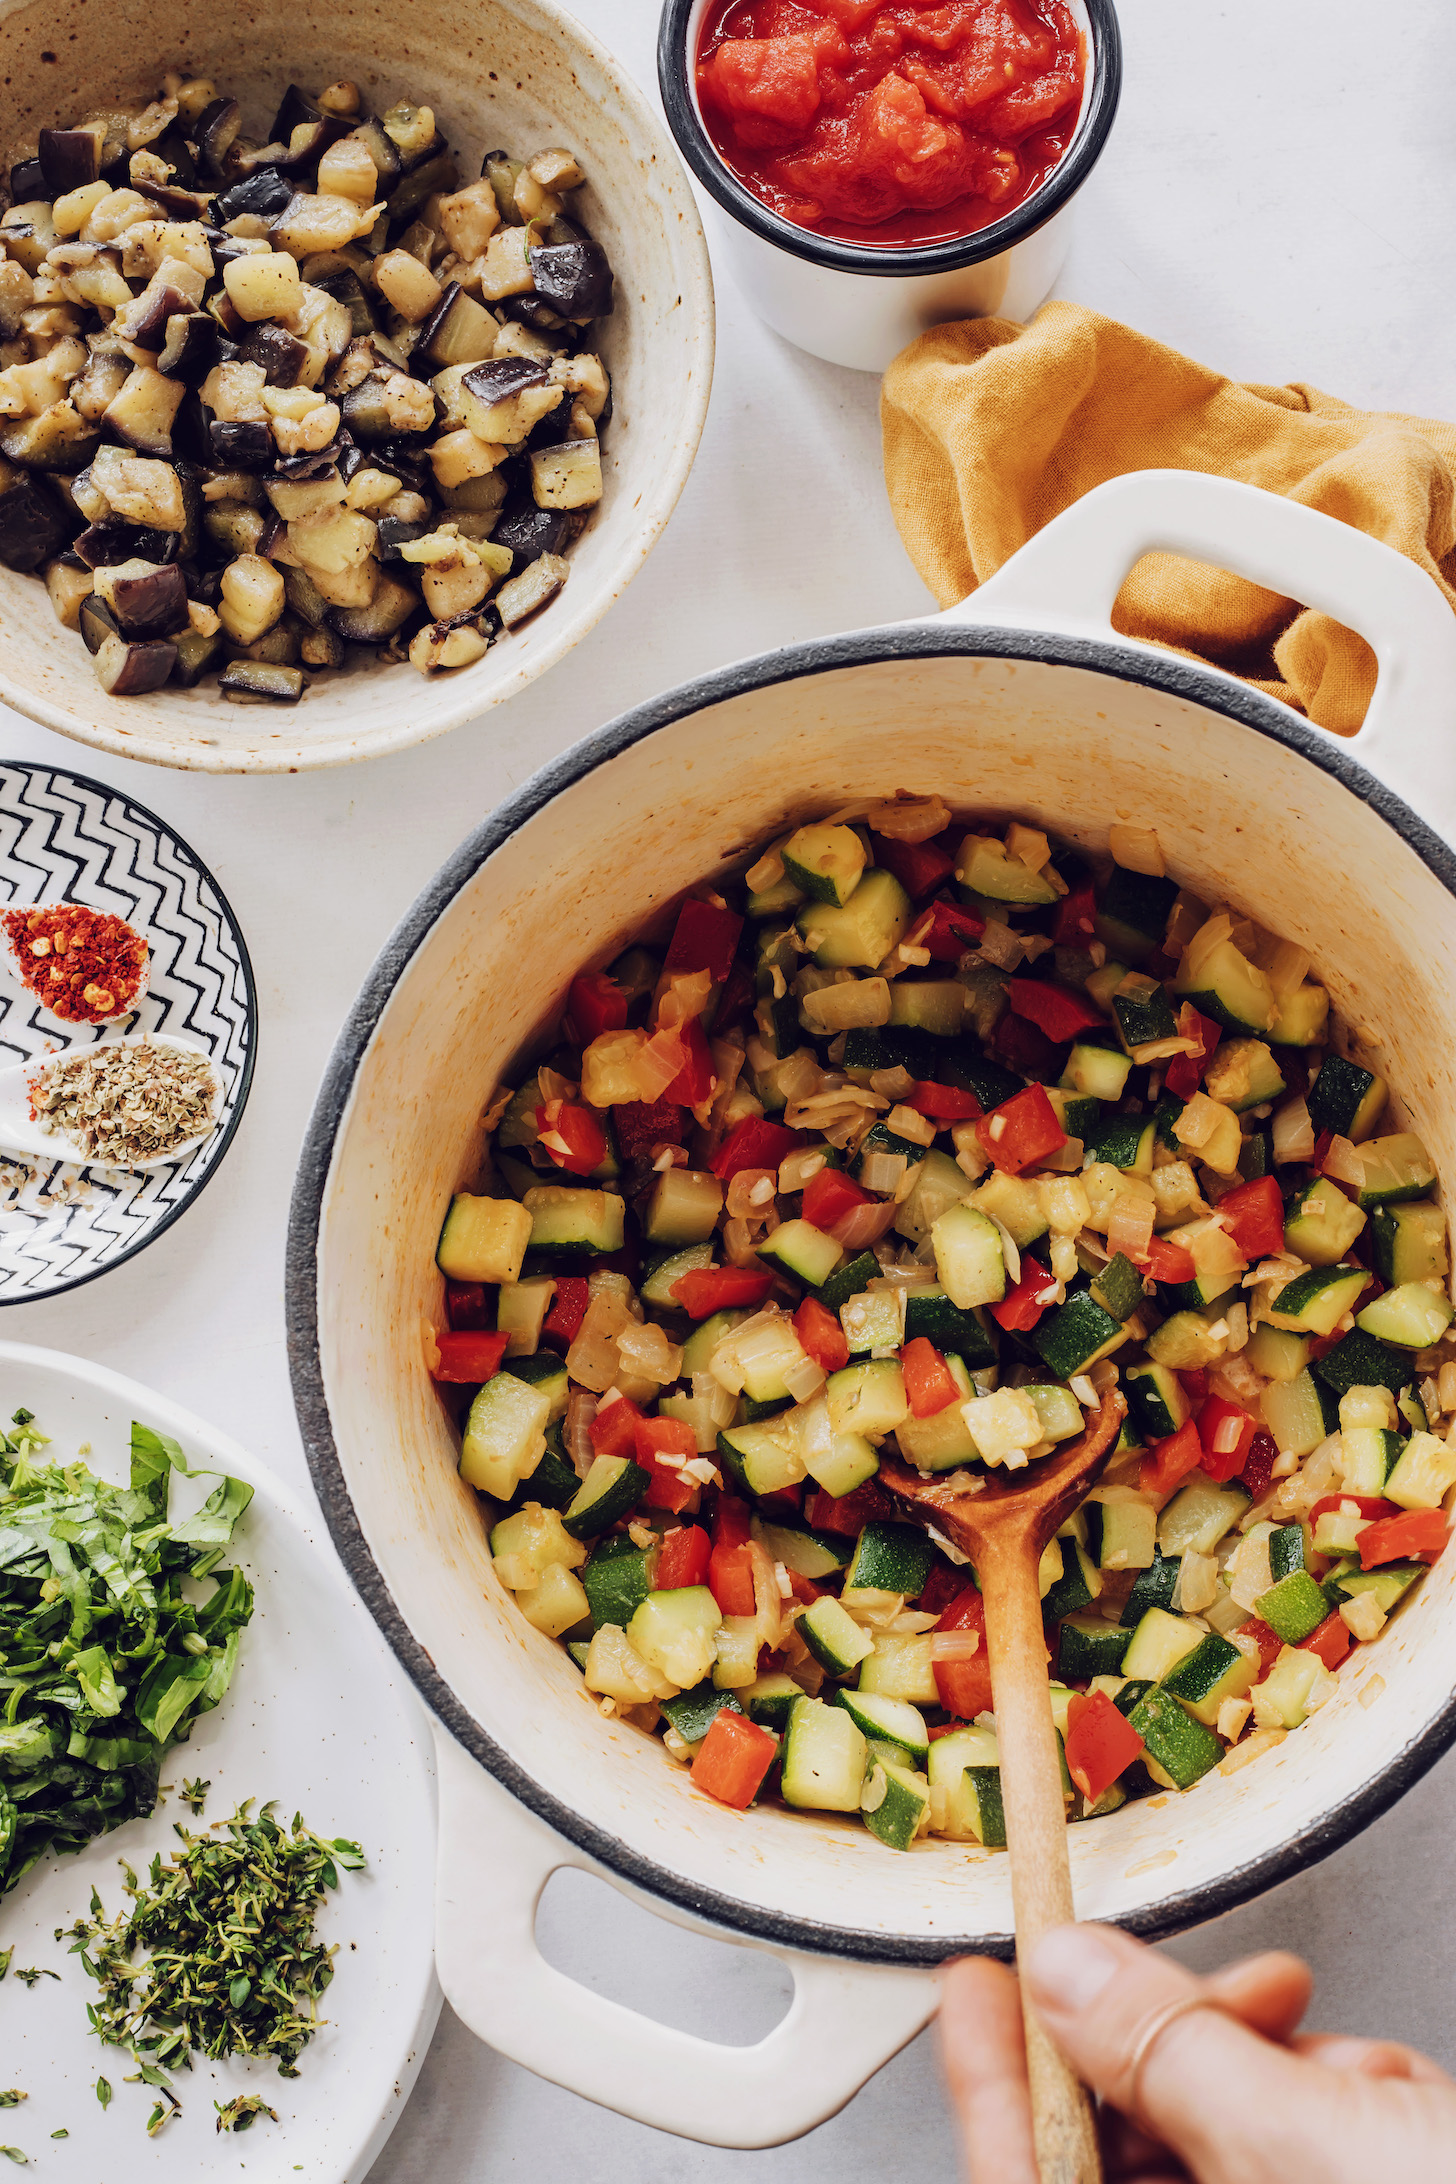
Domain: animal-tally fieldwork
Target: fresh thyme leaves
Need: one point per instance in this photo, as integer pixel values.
(5, 1956)
(32, 1973)
(13, 2098)
(194, 1794)
(217, 1953)
(104, 1660)
(60, 2134)
(103, 2091)
(241, 2114)
(13, 2153)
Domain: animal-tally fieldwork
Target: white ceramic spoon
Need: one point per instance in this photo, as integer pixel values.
(20, 1133)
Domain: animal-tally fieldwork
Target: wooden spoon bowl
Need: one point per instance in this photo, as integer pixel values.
(1004, 1525)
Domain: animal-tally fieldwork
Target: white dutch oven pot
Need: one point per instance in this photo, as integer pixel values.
(1020, 701)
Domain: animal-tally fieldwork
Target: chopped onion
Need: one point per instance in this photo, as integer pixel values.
(1293, 1132)
(581, 1409)
(1344, 1163)
(955, 1645)
(1213, 932)
(554, 1086)
(864, 1225)
(909, 818)
(1010, 1252)
(738, 1244)
(660, 1060)
(648, 1352)
(1136, 849)
(749, 1192)
(1288, 967)
(892, 1084)
(768, 1606)
(797, 1169)
(1130, 1225)
(766, 873)
(803, 1377)
(800, 1075)
(999, 945)
(882, 1171)
(685, 995)
(592, 1359)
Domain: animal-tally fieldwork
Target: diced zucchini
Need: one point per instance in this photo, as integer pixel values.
(684, 1207)
(966, 1766)
(547, 1372)
(505, 1435)
(888, 1721)
(776, 1350)
(930, 1312)
(1077, 1335)
(483, 1239)
(1294, 1607)
(1346, 1099)
(936, 1005)
(775, 901)
(803, 1251)
(938, 1184)
(1125, 1142)
(1230, 989)
(849, 1281)
(1358, 1360)
(968, 1257)
(1300, 1018)
(1079, 1584)
(675, 1632)
(1277, 1353)
(1368, 1455)
(868, 1398)
(1118, 1287)
(705, 1338)
(611, 1490)
(1316, 1302)
(1286, 1550)
(1129, 1534)
(894, 1801)
(832, 1635)
(616, 1580)
(883, 1140)
(1243, 1074)
(1187, 1342)
(574, 1220)
(761, 1461)
(847, 1463)
(1412, 1316)
(554, 1481)
(1197, 1517)
(1142, 1013)
(811, 1554)
(657, 1285)
(1322, 1223)
(860, 933)
(892, 1558)
(1390, 1583)
(824, 1756)
(1156, 1399)
(1078, 1115)
(825, 862)
(528, 1542)
(1057, 1408)
(1016, 1204)
(871, 1321)
(1133, 912)
(1179, 1749)
(1410, 1242)
(1153, 1587)
(984, 867)
(1212, 1672)
(770, 1699)
(521, 1310)
(1424, 1474)
(1290, 1684)
(693, 1713)
(1395, 1168)
(1159, 1641)
(901, 1668)
(1100, 1071)
(943, 1441)
(1089, 1647)
(1299, 1414)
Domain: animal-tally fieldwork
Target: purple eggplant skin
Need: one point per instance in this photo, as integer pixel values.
(390, 608)
(191, 440)
(281, 355)
(313, 469)
(33, 528)
(150, 330)
(67, 160)
(394, 534)
(531, 532)
(154, 605)
(177, 204)
(294, 107)
(96, 623)
(27, 182)
(254, 679)
(264, 192)
(204, 585)
(131, 670)
(190, 349)
(195, 655)
(217, 125)
(501, 376)
(574, 279)
(531, 311)
(241, 444)
(106, 544)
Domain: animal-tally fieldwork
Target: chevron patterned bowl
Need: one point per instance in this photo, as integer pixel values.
(66, 839)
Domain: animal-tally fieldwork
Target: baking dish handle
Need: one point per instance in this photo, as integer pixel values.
(844, 2022)
(1067, 577)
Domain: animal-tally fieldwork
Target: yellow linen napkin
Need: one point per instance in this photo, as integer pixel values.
(991, 429)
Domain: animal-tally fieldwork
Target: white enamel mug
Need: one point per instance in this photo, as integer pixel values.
(859, 303)
(1020, 701)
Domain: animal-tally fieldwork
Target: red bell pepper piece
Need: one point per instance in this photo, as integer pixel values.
(1415, 1535)
(754, 1143)
(1227, 1433)
(1057, 1010)
(920, 867)
(928, 1383)
(466, 1307)
(641, 1124)
(595, 1003)
(1101, 1743)
(1373, 1506)
(1194, 1382)
(613, 1432)
(1019, 1309)
(1168, 1262)
(943, 1102)
(1331, 1641)
(1258, 1471)
(949, 933)
(735, 1002)
(572, 1136)
(730, 1565)
(1018, 1045)
(704, 939)
(710, 1289)
(1254, 1217)
(568, 1308)
(850, 1513)
(683, 1558)
(942, 1588)
(804, 1588)
(1185, 1071)
(733, 1759)
(966, 1612)
(965, 1686)
(469, 1357)
(829, 1196)
(1021, 1131)
(696, 1079)
(1171, 1460)
(654, 1438)
(821, 1335)
(1268, 1640)
(1075, 923)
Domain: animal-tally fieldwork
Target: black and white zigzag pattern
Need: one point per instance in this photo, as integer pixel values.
(64, 838)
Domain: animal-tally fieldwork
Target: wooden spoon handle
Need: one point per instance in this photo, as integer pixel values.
(1036, 1834)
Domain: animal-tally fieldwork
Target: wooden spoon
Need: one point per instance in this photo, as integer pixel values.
(1004, 1527)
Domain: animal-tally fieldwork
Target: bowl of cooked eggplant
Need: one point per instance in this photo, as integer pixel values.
(348, 369)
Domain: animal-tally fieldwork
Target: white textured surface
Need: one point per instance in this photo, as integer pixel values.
(1275, 200)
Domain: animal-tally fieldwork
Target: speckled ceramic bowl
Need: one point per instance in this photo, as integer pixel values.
(511, 72)
(1022, 700)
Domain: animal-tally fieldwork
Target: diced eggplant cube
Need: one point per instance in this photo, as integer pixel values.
(435, 178)
(282, 355)
(294, 108)
(96, 623)
(68, 160)
(390, 608)
(525, 593)
(28, 232)
(305, 599)
(393, 535)
(130, 670)
(196, 653)
(455, 642)
(151, 603)
(27, 181)
(69, 583)
(383, 153)
(531, 532)
(217, 126)
(32, 525)
(241, 444)
(321, 648)
(176, 204)
(190, 349)
(106, 544)
(365, 411)
(574, 278)
(458, 331)
(191, 438)
(265, 193)
(146, 318)
(251, 682)
(502, 399)
(141, 415)
(568, 475)
(60, 438)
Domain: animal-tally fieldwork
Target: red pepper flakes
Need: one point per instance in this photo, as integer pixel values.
(84, 966)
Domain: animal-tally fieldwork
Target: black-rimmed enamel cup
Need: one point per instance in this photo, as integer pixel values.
(1021, 702)
(860, 303)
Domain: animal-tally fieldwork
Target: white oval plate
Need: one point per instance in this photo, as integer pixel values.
(320, 1717)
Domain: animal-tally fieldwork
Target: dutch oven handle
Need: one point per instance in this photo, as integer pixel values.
(1068, 576)
(844, 2022)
